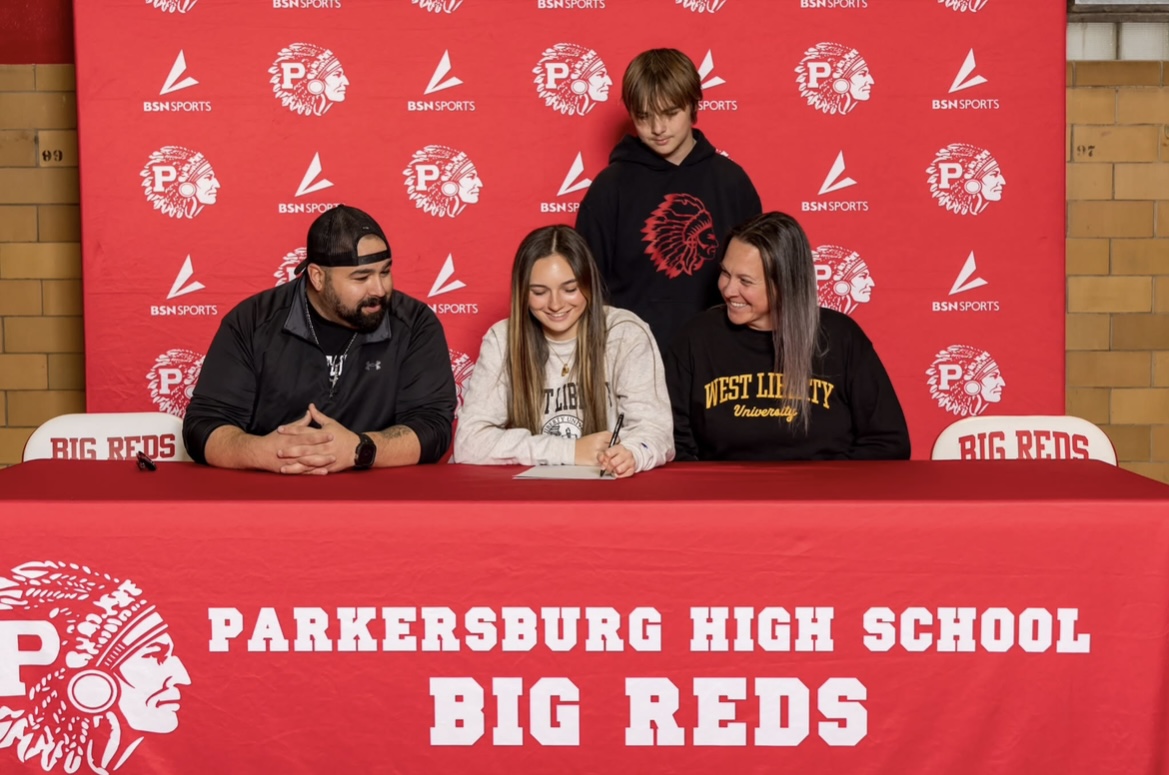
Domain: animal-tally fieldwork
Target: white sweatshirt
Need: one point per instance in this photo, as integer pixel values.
(637, 385)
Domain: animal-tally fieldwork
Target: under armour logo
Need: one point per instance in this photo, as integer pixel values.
(373, 365)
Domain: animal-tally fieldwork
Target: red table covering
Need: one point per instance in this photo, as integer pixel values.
(1005, 616)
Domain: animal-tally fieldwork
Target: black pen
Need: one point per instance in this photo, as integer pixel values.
(616, 431)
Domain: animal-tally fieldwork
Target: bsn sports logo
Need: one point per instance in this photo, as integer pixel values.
(312, 181)
(461, 366)
(179, 181)
(173, 6)
(681, 236)
(442, 181)
(702, 6)
(710, 81)
(183, 285)
(577, 5)
(965, 380)
(967, 280)
(444, 283)
(834, 78)
(438, 6)
(845, 4)
(836, 180)
(966, 78)
(172, 379)
(973, 6)
(90, 668)
(843, 280)
(439, 81)
(176, 82)
(965, 179)
(308, 79)
(571, 79)
(572, 183)
(286, 272)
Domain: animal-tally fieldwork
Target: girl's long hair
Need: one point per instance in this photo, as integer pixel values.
(790, 276)
(527, 349)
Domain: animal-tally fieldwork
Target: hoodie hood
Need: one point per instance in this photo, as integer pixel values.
(632, 149)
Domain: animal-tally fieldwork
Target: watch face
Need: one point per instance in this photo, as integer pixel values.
(366, 452)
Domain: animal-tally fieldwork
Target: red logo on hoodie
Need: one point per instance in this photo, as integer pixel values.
(681, 237)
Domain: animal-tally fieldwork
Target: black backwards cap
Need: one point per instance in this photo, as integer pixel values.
(333, 238)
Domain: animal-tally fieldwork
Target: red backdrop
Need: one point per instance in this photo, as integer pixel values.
(918, 141)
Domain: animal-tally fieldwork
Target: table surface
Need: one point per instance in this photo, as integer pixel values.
(847, 481)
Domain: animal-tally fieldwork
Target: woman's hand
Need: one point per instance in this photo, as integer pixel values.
(589, 448)
(618, 461)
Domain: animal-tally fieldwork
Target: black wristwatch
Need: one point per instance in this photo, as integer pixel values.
(366, 452)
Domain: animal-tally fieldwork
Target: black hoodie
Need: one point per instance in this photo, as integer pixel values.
(658, 229)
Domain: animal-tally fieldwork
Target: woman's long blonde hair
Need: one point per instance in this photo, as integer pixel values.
(527, 348)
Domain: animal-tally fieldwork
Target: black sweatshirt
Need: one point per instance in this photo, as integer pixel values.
(658, 229)
(725, 396)
(264, 368)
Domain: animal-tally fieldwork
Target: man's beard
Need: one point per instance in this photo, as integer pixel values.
(358, 318)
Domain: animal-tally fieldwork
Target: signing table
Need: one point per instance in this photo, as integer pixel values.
(918, 617)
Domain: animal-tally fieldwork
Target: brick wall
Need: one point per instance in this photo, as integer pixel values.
(42, 371)
(1117, 255)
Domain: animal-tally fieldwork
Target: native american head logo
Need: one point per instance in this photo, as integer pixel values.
(681, 237)
(834, 78)
(843, 278)
(973, 6)
(701, 6)
(438, 6)
(286, 273)
(172, 380)
(462, 366)
(102, 677)
(308, 79)
(179, 181)
(965, 380)
(965, 178)
(571, 79)
(442, 181)
(172, 6)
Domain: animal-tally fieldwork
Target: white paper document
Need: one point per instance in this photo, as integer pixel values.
(563, 472)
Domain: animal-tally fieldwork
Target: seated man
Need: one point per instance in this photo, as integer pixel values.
(332, 371)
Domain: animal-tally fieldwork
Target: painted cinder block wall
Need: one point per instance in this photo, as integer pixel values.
(1117, 152)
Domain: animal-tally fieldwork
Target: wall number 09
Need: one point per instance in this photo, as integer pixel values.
(50, 155)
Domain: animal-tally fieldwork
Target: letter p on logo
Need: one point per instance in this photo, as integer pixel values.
(12, 658)
(554, 72)
(423, 174)
(947, 373)
(167, 379)
(948, 171)
(293, 71)
(163, 174)
(823, 272)
(816, 72)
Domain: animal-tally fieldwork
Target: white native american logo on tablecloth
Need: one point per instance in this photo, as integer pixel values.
(834, 78)
(571, 79)
(103, 675)
(171, 6)
(965, 178)
(308, 79)
(438, 6)
(179, 181)
(702, 6)
(172, 380)
(973, 6)
(442, 181)
(965, 380)
(843, 278)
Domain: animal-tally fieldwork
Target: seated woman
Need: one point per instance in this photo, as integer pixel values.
(553, 378)
(769, 375)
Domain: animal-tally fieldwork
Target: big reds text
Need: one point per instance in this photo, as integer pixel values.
(1028, 445)
(161, 447)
